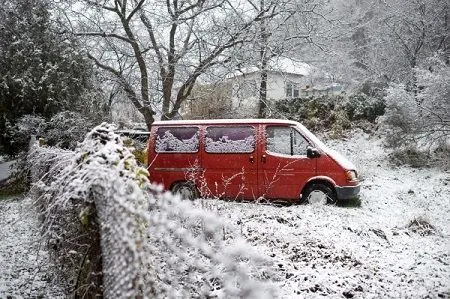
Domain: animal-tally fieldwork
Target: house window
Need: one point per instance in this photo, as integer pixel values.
(288, 90)
(292, 90)
(296, 91)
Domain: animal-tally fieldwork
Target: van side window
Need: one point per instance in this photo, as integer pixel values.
(177, 140)
(232, 139)
(285, 141)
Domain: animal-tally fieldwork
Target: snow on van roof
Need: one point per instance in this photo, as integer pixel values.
(224, 121)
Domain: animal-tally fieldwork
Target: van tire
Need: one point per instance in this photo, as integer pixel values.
(186, 190)
(318, 193)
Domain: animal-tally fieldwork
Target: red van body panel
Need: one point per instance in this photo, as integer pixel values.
(229, 175)
(168, 168)
(245, 159)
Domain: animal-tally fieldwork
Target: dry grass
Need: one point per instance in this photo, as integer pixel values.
(421, 226)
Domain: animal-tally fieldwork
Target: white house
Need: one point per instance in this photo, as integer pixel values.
(285, 79)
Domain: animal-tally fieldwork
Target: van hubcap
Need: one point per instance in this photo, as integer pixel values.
(185, 192)
(317, 197)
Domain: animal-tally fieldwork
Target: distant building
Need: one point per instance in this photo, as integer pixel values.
(238, 95)
(285, 78)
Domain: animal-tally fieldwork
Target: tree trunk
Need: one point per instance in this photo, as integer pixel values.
(263, 56)
(148, 116)
(262, 113)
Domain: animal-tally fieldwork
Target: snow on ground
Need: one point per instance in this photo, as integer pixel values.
(5, 169)
(358, 252)
(24, 270)
(366, 251)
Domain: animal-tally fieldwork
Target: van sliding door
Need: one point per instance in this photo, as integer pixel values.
(230, 163)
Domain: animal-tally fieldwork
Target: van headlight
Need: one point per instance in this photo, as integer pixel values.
(351, 175)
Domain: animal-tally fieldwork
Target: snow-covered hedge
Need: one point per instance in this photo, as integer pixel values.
(112, 232)
(331, 113)
(419, 115)
(64, 130)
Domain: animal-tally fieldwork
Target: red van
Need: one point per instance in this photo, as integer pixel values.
(248, 159)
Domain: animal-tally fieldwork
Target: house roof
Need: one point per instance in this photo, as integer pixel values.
(278, 65)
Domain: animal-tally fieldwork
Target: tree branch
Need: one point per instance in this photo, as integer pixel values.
(135, 10)
(127, 87)
(105, 35)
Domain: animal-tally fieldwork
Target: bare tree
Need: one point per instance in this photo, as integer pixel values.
(388, 39)
(404, 34)
(284, 28)
(156, 50)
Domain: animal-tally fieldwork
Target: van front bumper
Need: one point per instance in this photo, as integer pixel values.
(347, 192)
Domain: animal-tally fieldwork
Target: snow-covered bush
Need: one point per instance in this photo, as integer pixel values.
(330, 113)
(64, 130)
(313, 112)
(364, 107)
(111, 232)
(401, 114)
(421, 117)
(21, 131)
(411, 156)
(19, 136)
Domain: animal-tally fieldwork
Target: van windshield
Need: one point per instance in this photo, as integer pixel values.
(319, 144)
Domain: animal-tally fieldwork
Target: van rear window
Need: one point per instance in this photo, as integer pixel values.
(230, 139)
(177, 140)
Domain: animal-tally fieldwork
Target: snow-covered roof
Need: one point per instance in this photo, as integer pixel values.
(280, 64)
(288, 65)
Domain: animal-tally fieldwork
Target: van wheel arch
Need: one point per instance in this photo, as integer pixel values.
(323, 186)
(186, 189)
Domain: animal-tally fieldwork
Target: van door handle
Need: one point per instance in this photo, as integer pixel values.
(263, 158)
(252, 159)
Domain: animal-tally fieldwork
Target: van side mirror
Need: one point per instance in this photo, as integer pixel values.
(312, 152)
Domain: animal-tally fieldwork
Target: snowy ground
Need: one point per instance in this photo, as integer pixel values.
(366, 251)
(24, 271)
(358, 252)
(5, 169)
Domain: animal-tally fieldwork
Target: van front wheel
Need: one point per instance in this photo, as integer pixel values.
(319, 194)
(186, 190)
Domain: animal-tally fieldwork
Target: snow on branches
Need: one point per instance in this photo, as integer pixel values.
(113, 233)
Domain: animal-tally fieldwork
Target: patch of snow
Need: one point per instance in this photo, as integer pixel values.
(5, 169)
(170, 143)
(24, 263)
(289, 65)
(226, 145)
(340, 159)
(280, 64)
